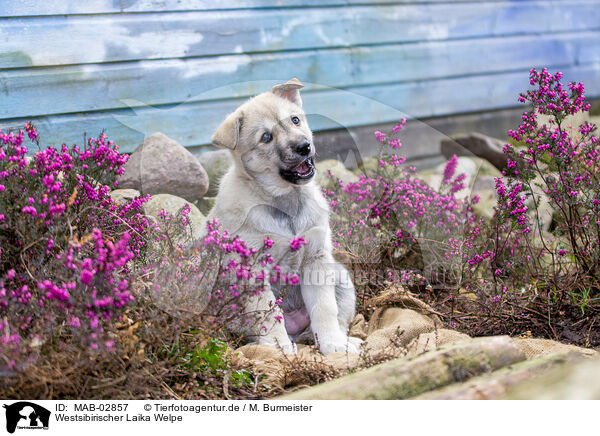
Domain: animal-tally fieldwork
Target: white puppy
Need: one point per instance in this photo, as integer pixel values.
(270, 192)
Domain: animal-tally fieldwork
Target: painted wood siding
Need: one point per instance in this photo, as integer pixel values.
(132, 67)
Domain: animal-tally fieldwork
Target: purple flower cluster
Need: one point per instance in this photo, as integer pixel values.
(296, 243)
(219, 269)
(384, 219)
(561, 163)
(64, 243)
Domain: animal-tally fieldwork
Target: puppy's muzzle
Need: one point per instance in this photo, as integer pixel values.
(303, 149)
(300, 173)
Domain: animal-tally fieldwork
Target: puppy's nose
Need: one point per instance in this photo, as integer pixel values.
(303, 148)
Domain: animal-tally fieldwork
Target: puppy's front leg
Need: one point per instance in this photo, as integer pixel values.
(269, 326)
(318, 293)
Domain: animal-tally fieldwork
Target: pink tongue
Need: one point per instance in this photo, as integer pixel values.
(302, 168)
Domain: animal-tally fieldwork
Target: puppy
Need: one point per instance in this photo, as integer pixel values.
(270, 192)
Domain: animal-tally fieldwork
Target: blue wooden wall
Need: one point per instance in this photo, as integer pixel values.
(133, 67)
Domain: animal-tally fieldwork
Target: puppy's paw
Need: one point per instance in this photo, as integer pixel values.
(287, 347)
(354, 345)
(345, 345)
(290, 348)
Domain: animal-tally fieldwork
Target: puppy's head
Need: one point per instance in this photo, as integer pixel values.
(270, 138)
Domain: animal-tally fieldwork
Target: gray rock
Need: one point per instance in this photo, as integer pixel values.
(476, 144)
(172, 204)
(123, 196)
(337, 169)
(484, 187)
(368, 166)
(430, 177)
(160, 165)
(465, 166)
(544, 211)
(215, 163)
(205, 204)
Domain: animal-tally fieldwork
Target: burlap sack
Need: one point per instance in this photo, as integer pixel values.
(535, 347)
(433, 340)
(390, 332)
(398, 296)
(358, 327)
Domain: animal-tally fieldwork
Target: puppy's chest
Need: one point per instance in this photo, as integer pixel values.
(293, 216)
(289, 222)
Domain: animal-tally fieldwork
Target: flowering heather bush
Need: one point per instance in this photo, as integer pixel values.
(211, 279)
(500, 275)
(73, 263)
(561, 163)
(64, 244)
(394, 227)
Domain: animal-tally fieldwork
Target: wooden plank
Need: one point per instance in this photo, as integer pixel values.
(62, 40)
(69, 7)
(88, 88)
(192, 124)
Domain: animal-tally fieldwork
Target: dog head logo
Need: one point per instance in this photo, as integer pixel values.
(26, 415)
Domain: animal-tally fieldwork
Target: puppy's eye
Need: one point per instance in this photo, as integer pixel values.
(266, 137)
(296, 121)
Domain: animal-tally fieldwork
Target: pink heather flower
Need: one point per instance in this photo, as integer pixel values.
(30, 210)
(291, 279)
(75, 322)
(268, 242)
(381, 137)
(296, 243)
(86, 276)
(450, 168)
(279, 318)
(562, 252)
(399, 126)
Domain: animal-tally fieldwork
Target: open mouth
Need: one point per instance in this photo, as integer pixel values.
(304, 171)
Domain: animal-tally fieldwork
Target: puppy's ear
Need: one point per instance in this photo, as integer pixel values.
(289, 90)
(228, 133)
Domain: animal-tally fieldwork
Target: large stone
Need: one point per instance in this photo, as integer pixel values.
(216, 163)
(484, 187)
(476, 144)
(205, 204)
(160, 165)
(124, 196)
(173, 204)
(465, 166)
(541, 208)
(337, 169)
